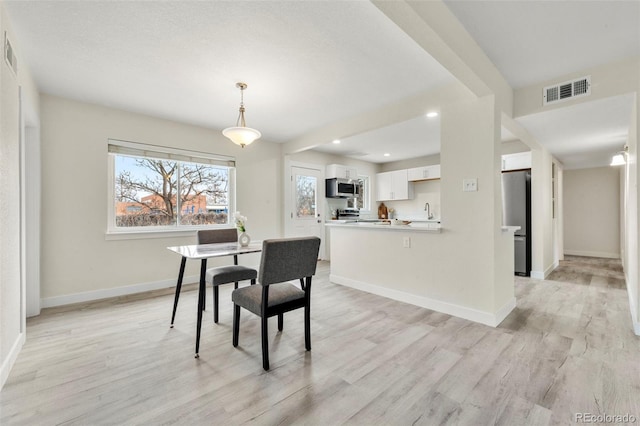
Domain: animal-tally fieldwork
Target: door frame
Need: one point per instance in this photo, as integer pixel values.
(288, 207)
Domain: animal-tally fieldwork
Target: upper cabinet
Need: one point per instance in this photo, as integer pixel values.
(518, 161)
(393, 186)
(424, 173)
(342, 172)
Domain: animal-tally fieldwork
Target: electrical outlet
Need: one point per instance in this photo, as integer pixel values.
(406, 242)
(470, 185)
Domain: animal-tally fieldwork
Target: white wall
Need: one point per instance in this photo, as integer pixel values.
(592, 212)
(414, 209)
(423, 191)
(467, 269)
(78, 263)
(633, 284)
(513, 147)
(472, 220)
(12, 288)
(542, 223)
(608, 80)
(631, 258)
(10, 321)
(558, 219)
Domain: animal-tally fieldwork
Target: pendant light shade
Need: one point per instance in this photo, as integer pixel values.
(241, 134)
(618, 158)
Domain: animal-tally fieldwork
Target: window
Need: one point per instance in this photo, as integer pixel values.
(306, 196)
(364, 202)
(162, 189)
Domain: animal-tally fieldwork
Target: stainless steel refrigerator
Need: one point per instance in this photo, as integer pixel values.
(516, 211)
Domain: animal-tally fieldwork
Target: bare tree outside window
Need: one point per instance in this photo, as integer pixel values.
(152, 192)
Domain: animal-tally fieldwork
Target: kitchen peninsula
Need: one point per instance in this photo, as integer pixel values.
(413, 264)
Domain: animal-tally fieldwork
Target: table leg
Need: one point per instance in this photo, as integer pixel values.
(178, 287)
(201, 295)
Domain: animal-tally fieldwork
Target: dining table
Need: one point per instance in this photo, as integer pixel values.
(203, 252)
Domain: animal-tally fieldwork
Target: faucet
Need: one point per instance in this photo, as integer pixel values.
(428, 210)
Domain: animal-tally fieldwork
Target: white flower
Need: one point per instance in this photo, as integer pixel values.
(240, 221)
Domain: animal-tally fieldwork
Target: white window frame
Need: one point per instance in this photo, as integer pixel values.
(119, 147)
(366, 197)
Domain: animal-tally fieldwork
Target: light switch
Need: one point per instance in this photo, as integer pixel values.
(406, 242)
(470, 185)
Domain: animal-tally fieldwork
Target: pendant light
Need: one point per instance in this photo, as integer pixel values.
(241, 134)
(619, 157)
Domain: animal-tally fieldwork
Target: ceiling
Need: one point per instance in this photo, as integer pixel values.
(307, 64)
(413, 138)
(311, 64)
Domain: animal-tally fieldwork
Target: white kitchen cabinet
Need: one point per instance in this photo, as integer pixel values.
(518, 161)
(424, 173)
(393, 186)
(342, 172)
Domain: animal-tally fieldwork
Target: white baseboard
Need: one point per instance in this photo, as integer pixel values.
(470, 314)
(504, 311)
(7, 364)
(592, 254)
(89, 296)
(540, 275)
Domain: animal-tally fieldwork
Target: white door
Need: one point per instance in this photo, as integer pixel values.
(306, 200)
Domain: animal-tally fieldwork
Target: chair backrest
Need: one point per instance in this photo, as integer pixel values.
(210, 236)
(288, 259)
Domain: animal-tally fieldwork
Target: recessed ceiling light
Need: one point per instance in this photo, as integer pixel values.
(386, 154)
(336, 141)
(432, 114)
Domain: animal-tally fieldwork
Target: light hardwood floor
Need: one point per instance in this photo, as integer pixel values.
(567, 348)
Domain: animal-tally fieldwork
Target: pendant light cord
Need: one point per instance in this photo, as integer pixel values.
(241, 122)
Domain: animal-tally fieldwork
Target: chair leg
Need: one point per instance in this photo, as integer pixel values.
(280, 321)
(253, 281)
(265, 344)
(236, 324)
(307, 328)
(215, 303)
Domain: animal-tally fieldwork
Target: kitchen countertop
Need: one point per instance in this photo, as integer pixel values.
(422, 227)
(510, 228)
(419, 226)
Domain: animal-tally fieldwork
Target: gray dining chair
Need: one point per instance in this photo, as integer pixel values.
(224, 274)
(221, 274)
(282, 260)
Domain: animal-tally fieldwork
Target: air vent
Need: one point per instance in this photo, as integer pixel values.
(567, 90)
(9, 56)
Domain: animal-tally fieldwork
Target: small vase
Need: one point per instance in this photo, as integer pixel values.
(244, 239)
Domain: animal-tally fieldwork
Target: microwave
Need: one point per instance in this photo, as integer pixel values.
(342, 188)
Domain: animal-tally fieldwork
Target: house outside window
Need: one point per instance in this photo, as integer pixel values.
(163, 189)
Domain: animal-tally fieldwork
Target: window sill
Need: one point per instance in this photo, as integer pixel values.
(143, 235)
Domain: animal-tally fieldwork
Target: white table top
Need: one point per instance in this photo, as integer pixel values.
(205, 251)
